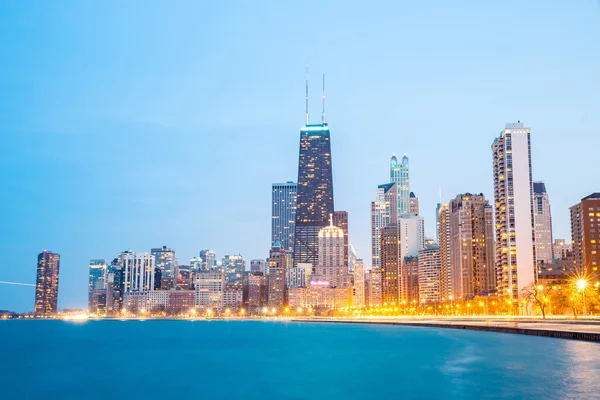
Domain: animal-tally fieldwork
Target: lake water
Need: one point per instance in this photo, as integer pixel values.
(278, 360)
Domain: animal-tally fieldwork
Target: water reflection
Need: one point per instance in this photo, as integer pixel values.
(582, 369)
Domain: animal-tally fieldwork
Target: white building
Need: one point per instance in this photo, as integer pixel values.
(332, 267)
(138, 271)
(299, 276)
(429, 275)
(412, 235)
(210, 288)
(358, 298)
(513, 195)
(543, 223)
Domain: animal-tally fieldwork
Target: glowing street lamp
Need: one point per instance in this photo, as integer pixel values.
(581, 285)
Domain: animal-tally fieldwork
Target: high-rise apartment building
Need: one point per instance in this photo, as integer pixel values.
(315, 190)
(585, 235)
(413, 204)
(409, 290)
(513, 197)
(472, 246)
(384, 211)
(331, 266)
(257, 292)
(276, 297)
(399, 175)
(164, 259)
(138, 270)
(98, 270)
(209, 258)
(429, 275)
(391, 263)
(234, 267)
(210, 287)
(340, 219)
(412, 235)
(358, 295)
(283, 216)
(542, 219)
(299, 276)
(445, 251)
(46, 284)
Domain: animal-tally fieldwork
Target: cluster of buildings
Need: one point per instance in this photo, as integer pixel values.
(483, 247)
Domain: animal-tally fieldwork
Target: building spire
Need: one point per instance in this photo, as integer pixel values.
(323, 115)
(307, 95)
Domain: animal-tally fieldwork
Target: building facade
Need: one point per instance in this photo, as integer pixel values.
(234, 267)
(46, 284)
(472, 246)
(299, 276)
(513, 198)
(340, 219)
(391, 264)
(164, 259)
(331, 265)
(410, 279)
(585, 235)
(138, 270)
(315, 191)
(257, 292)
(429, 275)
(399, 174)
(562, 250)
(358, 295)
(413, 204)
(209, 287)
(412, 235)
(98, 270)
(542, 219)
(283, 216)
(277, 275)
(384, 211)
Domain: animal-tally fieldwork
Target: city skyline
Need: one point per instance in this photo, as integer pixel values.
(79, 224)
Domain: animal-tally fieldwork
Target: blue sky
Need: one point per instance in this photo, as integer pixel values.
(139, 124)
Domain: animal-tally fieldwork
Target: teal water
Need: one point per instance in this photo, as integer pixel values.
(276, 360)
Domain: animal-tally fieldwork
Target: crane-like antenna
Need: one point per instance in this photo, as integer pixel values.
(307, 95)
(323, 115)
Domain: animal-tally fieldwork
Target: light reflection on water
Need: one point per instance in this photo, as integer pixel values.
(582, 369)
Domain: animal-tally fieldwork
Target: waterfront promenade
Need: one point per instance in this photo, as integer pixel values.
(580, 329)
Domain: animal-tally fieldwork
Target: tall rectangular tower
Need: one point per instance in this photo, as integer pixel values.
(543, 223)
(513, 197)
(445, 252)
(399, 175)
(315, 191)
(585, 234)
(283, 219)
(384, 211)
(472, 246)
(391, 263)
(46, 285)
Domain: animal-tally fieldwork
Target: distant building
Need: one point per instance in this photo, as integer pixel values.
(196, 264)
(384, 211)
(209, 259)
(555, 273)
(358, 295)
(399, 174)
(209, 287)
(138, 271)
(98, 271)
(283, 217)
(257, 266)
(164, 259)
(46, 285)
(445, 251)
(413, 201)
(472, 246)
(257, 292)
(513, 196)
(320, 297)
(299, 276)
(390, 265)
(412, 235)
(543, 223)
(562, 250)
(276, 297)
(410, 279)
(340, 219)
(233, 296)
(585, 235)
(184, 280)
(331, 265)
(429, 275)
(234, 267)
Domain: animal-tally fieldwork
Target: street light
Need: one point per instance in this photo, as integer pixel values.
(581, 285)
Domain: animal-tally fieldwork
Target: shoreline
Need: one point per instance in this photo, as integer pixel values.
(588, 331)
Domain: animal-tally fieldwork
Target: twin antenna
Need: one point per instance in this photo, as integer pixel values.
(323, 114)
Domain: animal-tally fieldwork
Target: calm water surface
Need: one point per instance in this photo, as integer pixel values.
(276, 360)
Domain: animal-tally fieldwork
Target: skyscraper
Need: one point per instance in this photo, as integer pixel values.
(399, 175)
(543, 223)
(283, 217)
(164, 259)
(234, 267)
(391, 263)
(277, 277)
(412, 235)
(429, 275)
(585, 235)
(384, 211)
(209, 257)
(472, 246)
(46, 285)
(358, 298)
(340, 219)
(98, 270)
(513, 196)
(138, 270)
(331, 266)
(315, 191)
(413, 204)
(445, 252)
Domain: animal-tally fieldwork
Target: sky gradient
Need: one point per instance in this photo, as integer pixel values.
(131, 125)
